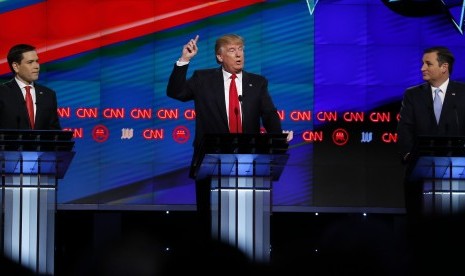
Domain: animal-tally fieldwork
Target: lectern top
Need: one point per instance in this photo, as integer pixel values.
(36, 151)
(228, 143)
(36, 140)
(439, 146)
(18, 134)
(241, 155)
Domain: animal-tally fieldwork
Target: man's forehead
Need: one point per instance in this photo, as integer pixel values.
(233, 45)
(30, 55)
(430, 56)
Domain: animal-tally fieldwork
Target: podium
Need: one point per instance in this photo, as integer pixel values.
(440, 165)
(32, 161)
(242, 168)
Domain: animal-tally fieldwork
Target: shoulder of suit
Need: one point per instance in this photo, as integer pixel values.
(252, 75)
(43, 88)
(10, 83)
(457, 83)
(207, 72)
(418, 86)
(417, 90)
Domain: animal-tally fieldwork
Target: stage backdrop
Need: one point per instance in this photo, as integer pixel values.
(336, 69)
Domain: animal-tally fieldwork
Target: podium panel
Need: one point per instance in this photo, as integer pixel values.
(440, 165)
(32, 162)
(29, 219)
(241, 215)
(242, 168)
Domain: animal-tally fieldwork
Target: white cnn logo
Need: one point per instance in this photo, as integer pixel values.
(127, 133)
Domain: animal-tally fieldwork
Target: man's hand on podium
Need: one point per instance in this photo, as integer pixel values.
(290, 135)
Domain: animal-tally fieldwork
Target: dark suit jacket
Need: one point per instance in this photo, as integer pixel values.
(13, 111)
(206, 88)
(417, 114)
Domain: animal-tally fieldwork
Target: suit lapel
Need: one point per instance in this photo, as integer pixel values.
(246, 87)
(427, 98)
(19, 98)
(219, 96)
(39, 100)
(449, 98)
(17, 90)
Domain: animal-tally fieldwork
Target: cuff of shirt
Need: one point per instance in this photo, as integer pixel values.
(181, 63)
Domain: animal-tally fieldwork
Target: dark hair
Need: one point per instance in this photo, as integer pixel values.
(225, 40)
(444, 56)
(16, 54)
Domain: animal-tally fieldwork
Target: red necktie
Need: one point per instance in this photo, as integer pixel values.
(30, 106)
(235, 124)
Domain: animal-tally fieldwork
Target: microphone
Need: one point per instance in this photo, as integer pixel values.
(242, 113)
(457, 120)
(236, 113)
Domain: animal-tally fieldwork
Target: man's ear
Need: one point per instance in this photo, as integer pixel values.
(445, 65)
(15, 66)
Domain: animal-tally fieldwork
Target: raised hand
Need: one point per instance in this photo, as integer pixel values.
(290, 135)
(189, 50)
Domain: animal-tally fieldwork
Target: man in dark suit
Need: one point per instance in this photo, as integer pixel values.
(209, 89)
(24, 64)
(418, 118)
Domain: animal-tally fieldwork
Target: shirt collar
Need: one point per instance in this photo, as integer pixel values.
(227, 75)
(22, 84)
(443, 86)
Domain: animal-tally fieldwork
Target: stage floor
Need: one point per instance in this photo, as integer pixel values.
(109, 242)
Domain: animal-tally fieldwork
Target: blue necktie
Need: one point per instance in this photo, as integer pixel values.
(437, 104)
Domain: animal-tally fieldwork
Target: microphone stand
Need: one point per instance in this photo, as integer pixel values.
(242, 113)
(236, 111)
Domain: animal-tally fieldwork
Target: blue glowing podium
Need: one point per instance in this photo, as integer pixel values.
(440, 166)
(242, 168)
(32, 161)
